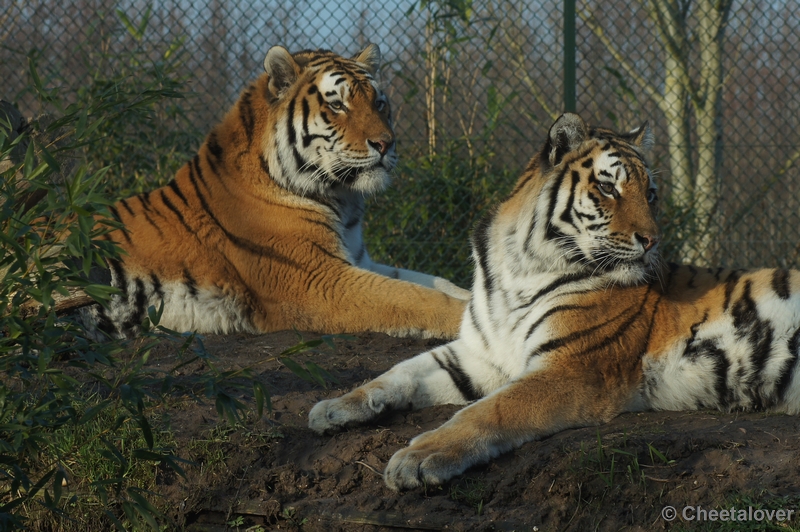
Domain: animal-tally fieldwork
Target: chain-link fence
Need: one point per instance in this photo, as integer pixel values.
(475, 86)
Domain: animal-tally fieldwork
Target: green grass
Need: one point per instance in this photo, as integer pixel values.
(97, 457)
(623, 463)
(471, 491)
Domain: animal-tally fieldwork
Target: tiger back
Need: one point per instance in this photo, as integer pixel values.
(261, 230)
(575, 318)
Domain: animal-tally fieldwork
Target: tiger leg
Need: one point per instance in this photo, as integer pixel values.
(432, 378)
(423, 279)
(340, 298)
(536, 405)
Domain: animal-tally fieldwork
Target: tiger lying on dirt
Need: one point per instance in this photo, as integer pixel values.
(574, 319)
(261, 230)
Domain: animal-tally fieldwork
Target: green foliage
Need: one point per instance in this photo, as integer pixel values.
(132, 114)
(49, 248)
(423, 221)
(442, 188)
(76, 416)
(446, 9)
(309, 372)
(446, 18)
(677, 221)
(73, 411)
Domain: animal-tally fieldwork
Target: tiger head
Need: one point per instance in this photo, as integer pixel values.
(600, 199)
(334, 127)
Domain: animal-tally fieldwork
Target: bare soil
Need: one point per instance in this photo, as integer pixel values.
(276, 473)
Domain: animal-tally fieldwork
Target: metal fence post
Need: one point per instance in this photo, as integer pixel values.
(569, 56)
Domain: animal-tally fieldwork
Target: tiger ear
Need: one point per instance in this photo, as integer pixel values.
(566, 134)
(370, 57)
(643, 137)
(282, 69)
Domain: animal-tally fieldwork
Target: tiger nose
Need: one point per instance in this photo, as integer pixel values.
(382, 143)
(647, 241)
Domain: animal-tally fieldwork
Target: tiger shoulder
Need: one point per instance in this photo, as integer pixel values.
(262, 229)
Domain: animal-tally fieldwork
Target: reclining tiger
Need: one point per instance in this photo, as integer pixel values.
(574, 319)
(261, 230)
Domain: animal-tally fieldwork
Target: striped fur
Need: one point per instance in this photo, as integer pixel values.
(574, 320)
(261, 230)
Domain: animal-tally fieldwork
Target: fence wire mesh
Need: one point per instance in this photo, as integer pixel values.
(475, 85)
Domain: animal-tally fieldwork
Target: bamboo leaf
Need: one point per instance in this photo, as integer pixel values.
(297, 369)
(92, 411)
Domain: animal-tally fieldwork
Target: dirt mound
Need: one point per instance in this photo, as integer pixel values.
(278, 474)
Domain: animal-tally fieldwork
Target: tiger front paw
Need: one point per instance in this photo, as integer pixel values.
(358, 406)
(418, 465)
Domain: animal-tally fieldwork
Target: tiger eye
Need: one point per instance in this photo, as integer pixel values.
(607, 188)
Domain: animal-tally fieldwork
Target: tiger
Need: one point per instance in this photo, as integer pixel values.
(575, 318)
(262, 229)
